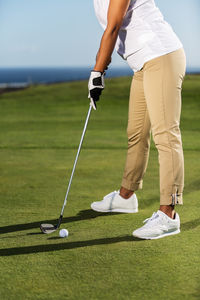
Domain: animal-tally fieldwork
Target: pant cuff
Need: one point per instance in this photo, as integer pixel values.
(129, 185)
(173, 199)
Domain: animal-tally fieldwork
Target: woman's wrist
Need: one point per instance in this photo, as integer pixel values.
(102, 67)
(98, 68)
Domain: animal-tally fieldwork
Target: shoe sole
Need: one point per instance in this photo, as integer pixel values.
(127, 211)
(158, 237)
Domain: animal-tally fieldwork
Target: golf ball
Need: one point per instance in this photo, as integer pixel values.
(63, 233)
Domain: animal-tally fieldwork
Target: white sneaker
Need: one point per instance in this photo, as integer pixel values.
(113, 202)
(158, 226)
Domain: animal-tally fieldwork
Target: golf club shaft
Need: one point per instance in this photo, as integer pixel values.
(76, 159)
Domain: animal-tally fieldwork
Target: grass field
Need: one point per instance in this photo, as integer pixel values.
(40, 130)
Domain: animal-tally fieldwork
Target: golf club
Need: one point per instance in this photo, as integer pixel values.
(49, 228)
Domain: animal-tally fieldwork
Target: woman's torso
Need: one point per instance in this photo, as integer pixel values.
(144, 33)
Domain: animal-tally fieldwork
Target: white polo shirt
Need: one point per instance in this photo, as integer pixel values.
(144, 34)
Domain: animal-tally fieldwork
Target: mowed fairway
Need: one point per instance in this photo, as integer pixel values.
(40, 129)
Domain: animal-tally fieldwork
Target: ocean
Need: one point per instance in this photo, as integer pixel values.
(16, 77)
(25, 76)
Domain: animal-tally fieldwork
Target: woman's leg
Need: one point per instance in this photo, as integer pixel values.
(163, 78)
(138, 131)
(137, 156)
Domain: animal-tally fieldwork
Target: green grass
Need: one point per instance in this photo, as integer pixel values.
(40, 130)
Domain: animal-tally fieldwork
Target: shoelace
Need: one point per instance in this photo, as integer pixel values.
(153, 217)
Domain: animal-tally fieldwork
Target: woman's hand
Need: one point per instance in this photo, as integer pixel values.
(95, 87)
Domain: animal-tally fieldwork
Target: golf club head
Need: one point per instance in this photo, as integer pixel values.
(47, 228)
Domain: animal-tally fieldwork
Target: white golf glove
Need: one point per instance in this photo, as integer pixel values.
(95, 87)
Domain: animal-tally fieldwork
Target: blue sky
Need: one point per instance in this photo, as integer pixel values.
(66, 33)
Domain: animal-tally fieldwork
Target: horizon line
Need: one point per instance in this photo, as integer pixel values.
(74, 66)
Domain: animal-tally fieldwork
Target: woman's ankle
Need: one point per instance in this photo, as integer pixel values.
(168, 210)
(125, 193)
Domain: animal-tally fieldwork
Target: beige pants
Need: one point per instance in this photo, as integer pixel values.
(155, 105)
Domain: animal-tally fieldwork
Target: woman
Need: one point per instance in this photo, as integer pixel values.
(142, 37)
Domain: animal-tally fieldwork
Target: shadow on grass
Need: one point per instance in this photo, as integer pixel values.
(148, 202)
(65, 246)
(81, 216)
(196, 294)
(191, 186)
(190, 225)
